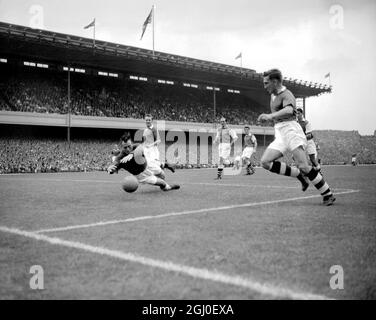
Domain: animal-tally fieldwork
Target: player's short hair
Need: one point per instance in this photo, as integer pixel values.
(126, 136)
(273, 74)
(247, 126)
(299, 109)
(148, 115)
(223, 119)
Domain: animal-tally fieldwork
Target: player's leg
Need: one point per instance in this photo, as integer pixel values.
(221, 162)
(315, 163)
(165, 186)
(147, 177)
(156, 169)
(313, 175)
(168, 166)
(220, 168)
(251, 165)
(246, 160)
(269, 162)
(312, 153)
(224, 158)
(247, 163)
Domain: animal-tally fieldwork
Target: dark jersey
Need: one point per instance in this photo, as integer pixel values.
(136, 162)
(282, 100)
(249, 140)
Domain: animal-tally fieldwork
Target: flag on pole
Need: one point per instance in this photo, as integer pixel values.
(238, 56)
(327, 75)
(147, 21)
(91, 24)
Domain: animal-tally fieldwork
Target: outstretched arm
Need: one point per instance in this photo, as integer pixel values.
(288, 110)
(115, 166)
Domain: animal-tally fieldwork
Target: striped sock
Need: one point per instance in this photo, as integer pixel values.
(284, 169)
(318, 181)
(220, 171)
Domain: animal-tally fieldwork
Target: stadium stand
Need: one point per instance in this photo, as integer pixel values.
(45, 155)
(45, 91)
(35, 87)
(337, 147)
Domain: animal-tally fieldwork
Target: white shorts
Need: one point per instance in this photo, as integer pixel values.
(289, 135)
(311, 147)
(147, 177)
(248, 152)
(224, 150)
(151, 154)
(152, 157)
(155, 167)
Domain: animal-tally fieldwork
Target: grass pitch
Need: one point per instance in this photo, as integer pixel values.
(243, 237)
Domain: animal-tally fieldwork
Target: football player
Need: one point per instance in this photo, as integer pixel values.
(132, 159)
(289, 136)
(225, 138)
(151, 140)
(250, 145)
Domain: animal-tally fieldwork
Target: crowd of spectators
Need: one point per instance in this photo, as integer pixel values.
(18, 155)
(33, 155)
(46, 92)
(44, 155)
(337, 147)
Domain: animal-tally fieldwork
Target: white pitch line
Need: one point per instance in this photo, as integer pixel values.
(197, 273)
(174, 214)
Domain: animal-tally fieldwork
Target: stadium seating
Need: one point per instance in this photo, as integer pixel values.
(45, 91)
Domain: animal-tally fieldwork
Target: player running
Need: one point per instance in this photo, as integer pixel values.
(311, 146)
(151, 140)
(225, 138)
(132, 159)
(289, 136)
(250, 146)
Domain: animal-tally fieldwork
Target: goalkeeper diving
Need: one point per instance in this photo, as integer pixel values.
(132, 159)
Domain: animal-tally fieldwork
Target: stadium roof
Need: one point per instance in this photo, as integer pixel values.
(20, 42)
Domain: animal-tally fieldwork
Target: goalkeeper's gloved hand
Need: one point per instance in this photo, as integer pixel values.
(112, 169)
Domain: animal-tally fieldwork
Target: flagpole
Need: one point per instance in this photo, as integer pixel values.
(94, 33)
(153, 26)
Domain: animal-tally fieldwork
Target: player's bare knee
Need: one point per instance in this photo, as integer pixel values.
(304, 168)
(265, 163)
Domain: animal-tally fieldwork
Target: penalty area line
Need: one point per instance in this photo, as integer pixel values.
(181, 213)
(197, 273)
